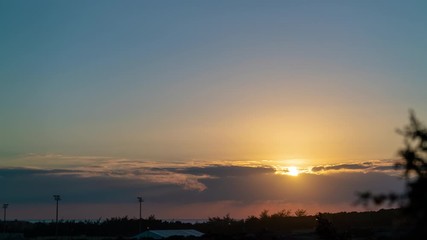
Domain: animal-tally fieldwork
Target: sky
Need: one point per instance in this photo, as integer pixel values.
(201, 107)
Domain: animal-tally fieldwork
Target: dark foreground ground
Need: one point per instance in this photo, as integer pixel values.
(381, 225)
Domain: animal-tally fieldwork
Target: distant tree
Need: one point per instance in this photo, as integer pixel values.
(414, 164)
(227, 219)
(282, 213)
(251, 218)
(300, 213)
(264, 215)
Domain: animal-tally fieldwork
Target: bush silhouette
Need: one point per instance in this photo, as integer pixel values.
(414, 165)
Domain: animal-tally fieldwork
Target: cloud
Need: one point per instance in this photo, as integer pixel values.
(340, 167)
(259, 184)
(226, 171)
(148, 175)
(227, 193)
(100, 166)
(385, 166)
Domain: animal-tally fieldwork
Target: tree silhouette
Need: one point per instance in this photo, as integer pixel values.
(300, 213)
(414, 166)
(282, 214)
(264, 215)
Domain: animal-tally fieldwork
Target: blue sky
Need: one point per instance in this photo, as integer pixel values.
(206, 82)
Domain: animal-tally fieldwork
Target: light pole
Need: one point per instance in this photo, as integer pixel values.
(140, 206)
(5, 205)
(57, 199)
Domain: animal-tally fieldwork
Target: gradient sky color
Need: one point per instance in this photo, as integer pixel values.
(303, 82)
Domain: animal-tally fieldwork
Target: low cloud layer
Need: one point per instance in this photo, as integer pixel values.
(174, 188)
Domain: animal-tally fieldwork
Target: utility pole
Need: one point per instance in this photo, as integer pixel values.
(57, 199)
(140, 206)
(5, 205)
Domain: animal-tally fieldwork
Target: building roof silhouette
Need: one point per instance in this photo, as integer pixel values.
(160, 234)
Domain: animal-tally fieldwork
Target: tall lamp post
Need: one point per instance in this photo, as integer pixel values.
(57, 199)
(140, 206)
(5, 205)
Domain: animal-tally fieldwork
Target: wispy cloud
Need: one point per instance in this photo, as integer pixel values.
(100, 166)
(383, 166)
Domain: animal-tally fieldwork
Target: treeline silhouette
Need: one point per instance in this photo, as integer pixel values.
(264, 226)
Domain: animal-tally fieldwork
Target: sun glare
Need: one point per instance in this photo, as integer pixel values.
(293, 171)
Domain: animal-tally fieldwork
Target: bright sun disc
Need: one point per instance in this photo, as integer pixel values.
(293, 171)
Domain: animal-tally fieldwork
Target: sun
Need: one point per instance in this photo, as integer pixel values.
(293, 171)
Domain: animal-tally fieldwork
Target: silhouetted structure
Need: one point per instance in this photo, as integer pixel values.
(57, 199)
(161, 234)
(5, 205)
(140, 200)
